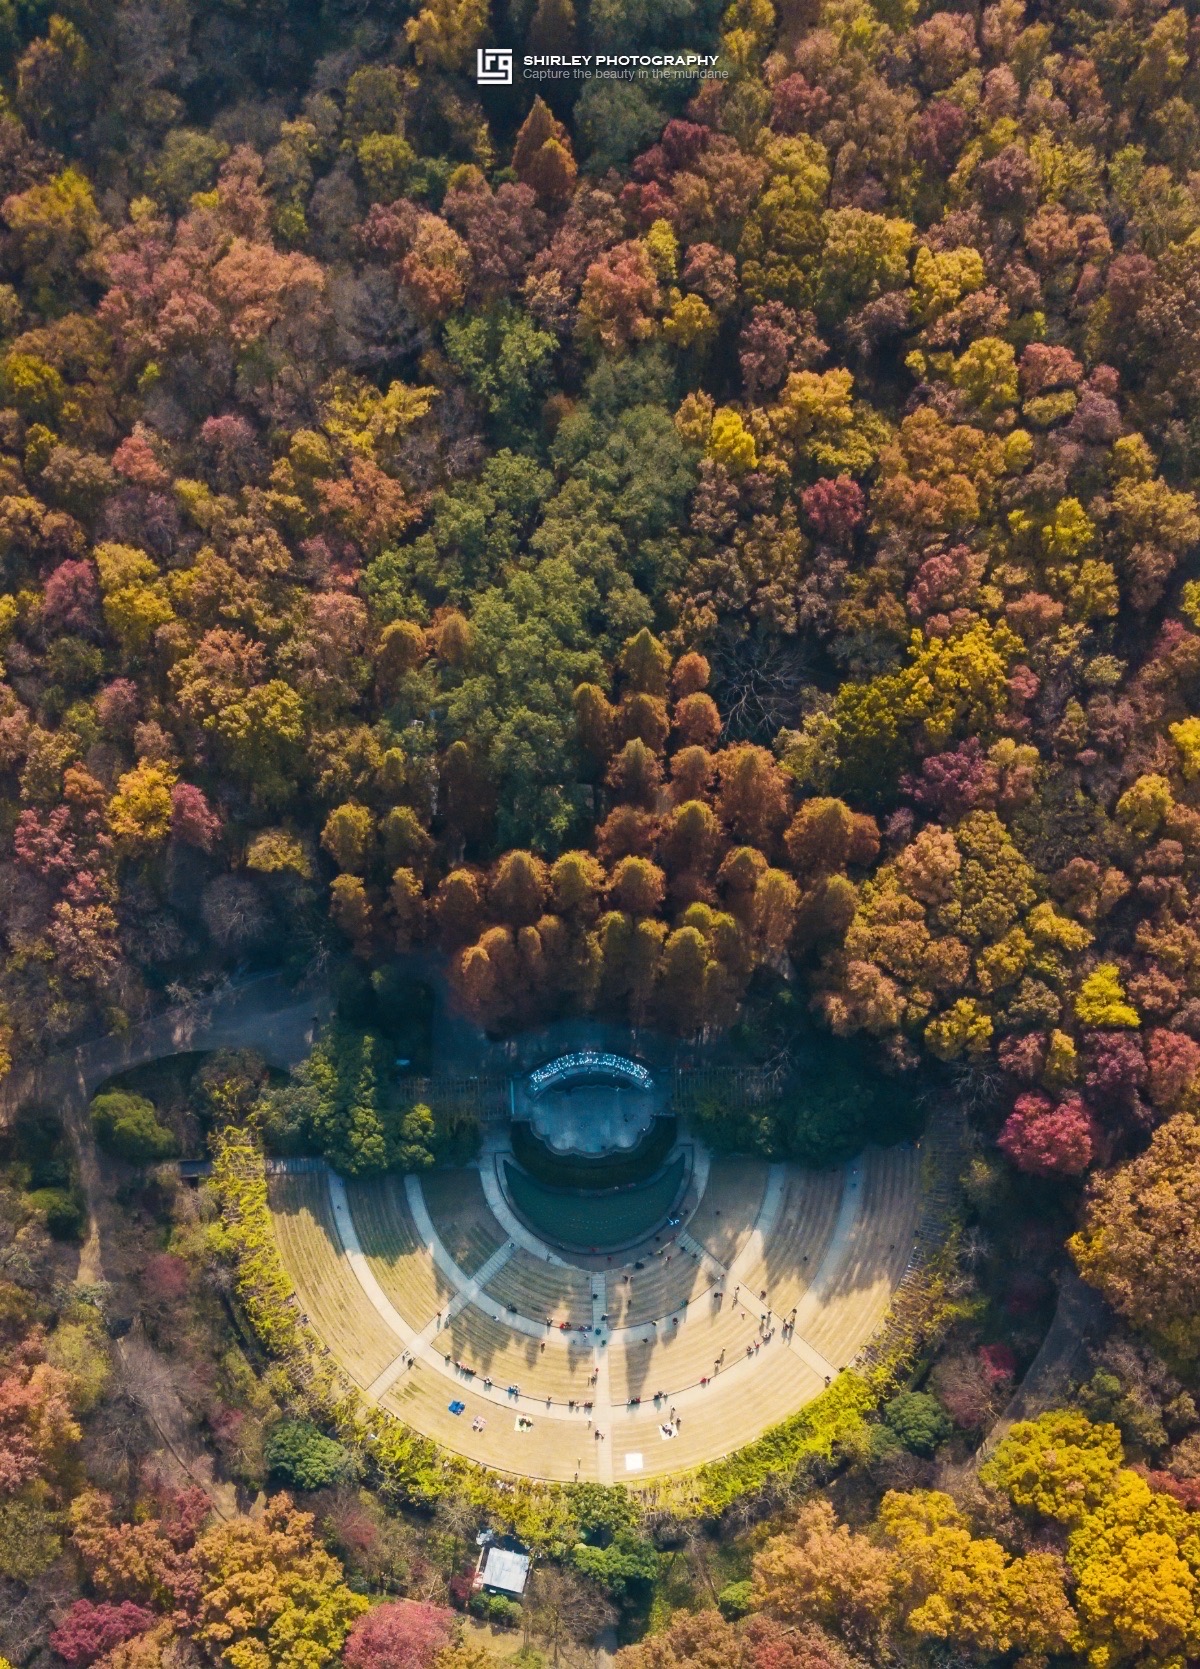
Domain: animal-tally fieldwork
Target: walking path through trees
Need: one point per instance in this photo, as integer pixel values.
(264, 1014)
(1078, 1316)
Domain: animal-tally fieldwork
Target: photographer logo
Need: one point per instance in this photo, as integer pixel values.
(494, 66)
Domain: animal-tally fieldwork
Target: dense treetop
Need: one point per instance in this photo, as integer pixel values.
(716, 553)
(625, 545)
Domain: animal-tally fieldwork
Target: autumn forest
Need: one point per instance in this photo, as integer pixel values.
(715, 555)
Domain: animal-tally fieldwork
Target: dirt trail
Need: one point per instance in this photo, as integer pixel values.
(263, 1014)
(1078, 1316)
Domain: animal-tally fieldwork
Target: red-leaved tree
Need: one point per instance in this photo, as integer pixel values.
(89, 1630)
(400, 1634)
(1045, 1139)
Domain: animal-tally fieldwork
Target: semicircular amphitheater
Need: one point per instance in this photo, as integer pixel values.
(597, 1297)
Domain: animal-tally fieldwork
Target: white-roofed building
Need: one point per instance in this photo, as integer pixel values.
(504, 1570)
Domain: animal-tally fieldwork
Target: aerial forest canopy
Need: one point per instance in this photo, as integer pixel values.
(629, 544)
(714, 552)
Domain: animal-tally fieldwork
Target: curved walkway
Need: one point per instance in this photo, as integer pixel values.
(703, 1369)
(496, 1143)
(1048, 1382)
(264, 1014)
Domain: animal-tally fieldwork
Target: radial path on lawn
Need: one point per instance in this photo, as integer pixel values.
(671, 1353)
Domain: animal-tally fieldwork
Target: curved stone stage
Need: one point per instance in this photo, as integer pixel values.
(429, 1291)
(589, 1102)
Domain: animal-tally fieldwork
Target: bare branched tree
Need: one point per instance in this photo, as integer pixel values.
(758, 683)
(976, 1084)
(457, 1518)
(974, 1247)
(118, 1440)
(564, 1613)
